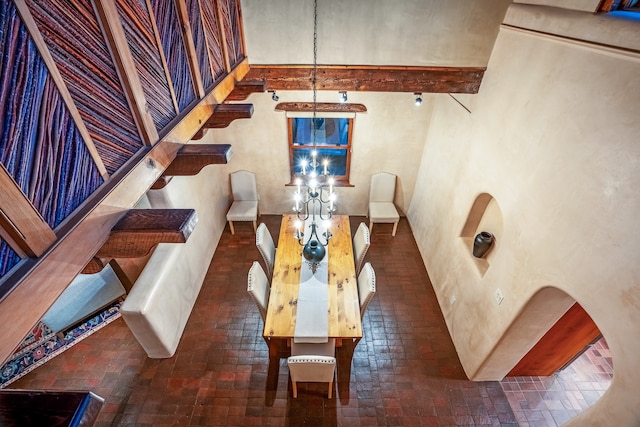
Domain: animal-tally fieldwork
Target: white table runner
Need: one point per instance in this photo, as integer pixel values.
(312, 312)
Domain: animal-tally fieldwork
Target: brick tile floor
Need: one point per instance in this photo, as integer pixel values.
(404, 372)
(553, 400)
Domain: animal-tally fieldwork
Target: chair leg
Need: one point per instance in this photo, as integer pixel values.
(395, 227)
(255, 227)
(295, 389)
(330, 388)
(370, 227)
(231, 227)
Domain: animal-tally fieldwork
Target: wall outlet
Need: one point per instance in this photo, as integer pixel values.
(452, 299)
(499, 296)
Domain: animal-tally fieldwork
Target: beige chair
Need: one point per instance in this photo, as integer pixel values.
(266, 247)
(361, 242)
(312, 362)
(381, 195)
(366, 286)
(245, 198)
(259, 289)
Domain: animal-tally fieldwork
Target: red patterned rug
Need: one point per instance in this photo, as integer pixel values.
(41, 345)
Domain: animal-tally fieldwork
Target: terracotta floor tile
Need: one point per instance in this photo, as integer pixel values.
(221, 373)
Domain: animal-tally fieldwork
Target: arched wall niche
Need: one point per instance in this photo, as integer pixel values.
(484, 215)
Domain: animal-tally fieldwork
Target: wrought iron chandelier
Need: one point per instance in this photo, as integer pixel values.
(314, 197)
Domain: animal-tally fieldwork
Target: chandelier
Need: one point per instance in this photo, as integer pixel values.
(314, 197)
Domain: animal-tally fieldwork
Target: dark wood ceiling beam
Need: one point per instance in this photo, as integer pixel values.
(243, 89)
(369, 78)
(140, 230)
(191, 159)
(224, 114)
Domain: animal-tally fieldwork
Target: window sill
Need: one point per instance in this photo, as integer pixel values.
(335, 184)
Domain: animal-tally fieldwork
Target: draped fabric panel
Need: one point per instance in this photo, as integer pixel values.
(168, 23)
(146, 54)
(74, 38)
(200, 42)
(40, 146)
(214, 39)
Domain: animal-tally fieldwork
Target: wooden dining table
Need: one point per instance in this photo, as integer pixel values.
(344, 306)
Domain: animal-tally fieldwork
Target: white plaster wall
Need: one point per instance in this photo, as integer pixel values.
(388, 137)
(160, 302)
(455, 33)
(552, 136)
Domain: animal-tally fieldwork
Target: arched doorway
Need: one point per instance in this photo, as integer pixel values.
(566, 372)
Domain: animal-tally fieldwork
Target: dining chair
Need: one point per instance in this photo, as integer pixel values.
(312, 362)
(259, 289)
(361, 242)
(381, 194)
(266, 247)
(245, 198)
(366, 287)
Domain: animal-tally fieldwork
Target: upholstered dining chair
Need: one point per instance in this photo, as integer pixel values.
(266, 247)
(245, 198)
(259, 289)
(312, 362)
(361, 242)
(381, 194)
(366, 286)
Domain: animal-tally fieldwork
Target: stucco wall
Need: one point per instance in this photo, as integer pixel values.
(388, 137)
(552, 136)
(454, 33)
(159, 304)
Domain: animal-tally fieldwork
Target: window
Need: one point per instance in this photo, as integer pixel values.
(333, 145)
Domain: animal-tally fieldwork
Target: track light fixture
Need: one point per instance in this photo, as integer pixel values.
(418, 99)
(274, 95)
(343, 96)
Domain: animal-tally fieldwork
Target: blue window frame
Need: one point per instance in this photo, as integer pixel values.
(332, 143)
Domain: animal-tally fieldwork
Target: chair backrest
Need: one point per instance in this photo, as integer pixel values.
(361, 242)
(266, 247)
(366, 286)
(258, 287)
(383, 187)
(319, 369)
(243, 185)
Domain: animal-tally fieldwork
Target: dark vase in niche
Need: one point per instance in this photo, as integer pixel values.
(482, 243)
